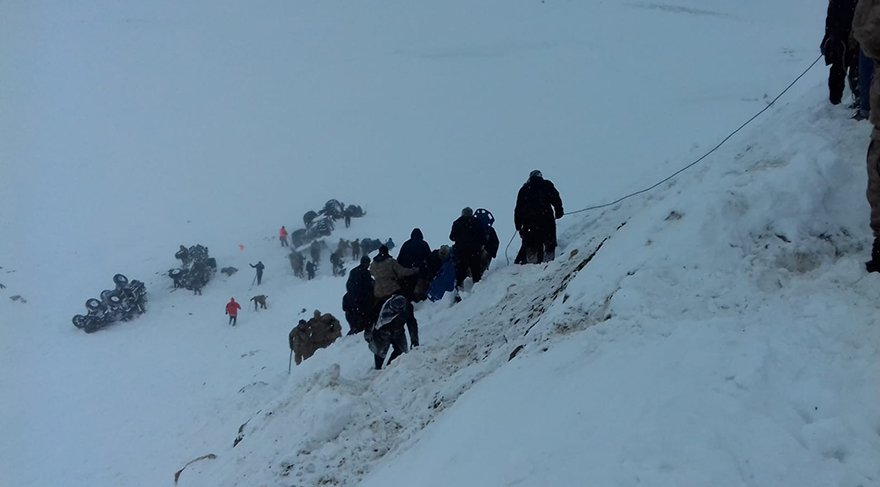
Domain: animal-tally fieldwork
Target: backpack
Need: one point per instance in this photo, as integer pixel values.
(486, 220)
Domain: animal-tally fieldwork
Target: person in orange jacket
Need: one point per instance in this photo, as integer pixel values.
(282, 235)
(232, 310)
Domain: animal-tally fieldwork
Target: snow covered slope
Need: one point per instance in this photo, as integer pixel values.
(718, 330)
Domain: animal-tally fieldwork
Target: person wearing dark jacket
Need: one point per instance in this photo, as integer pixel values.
(357, 303)
(538, 206)
(259, 267)
(416, 253)
(389, 332)
(298, 339)
(469, 238)
(840, 49)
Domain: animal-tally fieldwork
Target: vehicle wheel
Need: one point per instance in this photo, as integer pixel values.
(79, 321)
(93, 304)
(106, 295)
(120, 280)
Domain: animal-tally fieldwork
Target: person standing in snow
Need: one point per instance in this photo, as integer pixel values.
(310, 270)
(232, 308)
(840, 50)
(336, 264)
(342, 248)
(356, 249)
(538, 206)
(388, 274)
(357, 303)
(296, 263)
(282, 235)
(388, 331)
(315, 250)
(866, 29)
(298, 339)
(469, 238)
(415, 253)
(259, 267)
(490, 250)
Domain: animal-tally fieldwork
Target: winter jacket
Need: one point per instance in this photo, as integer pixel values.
(387, 273)
(232, 308)
(492, 242)
(299, 337)
(359, 288)
(468, 235)
(415, 252)
(537, 206)
(866, 29)
(259, 267)
(282, 233)
(839, 20)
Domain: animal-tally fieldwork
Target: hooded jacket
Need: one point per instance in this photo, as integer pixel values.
(232, 308)
(359, 289)
(537, 206)
(415, 252)
(468, 235)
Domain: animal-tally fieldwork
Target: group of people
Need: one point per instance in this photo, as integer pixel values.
(307, 268)
(308, 336)
(380, 292)
(848, 60)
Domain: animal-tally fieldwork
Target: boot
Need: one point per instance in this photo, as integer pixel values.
(873, 265)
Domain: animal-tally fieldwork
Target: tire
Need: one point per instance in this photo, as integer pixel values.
(308, 217)
(120, 280)
(80, 321)
(107, 295)
(93, 304)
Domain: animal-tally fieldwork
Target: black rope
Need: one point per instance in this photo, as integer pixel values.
(692, 164)
(707, 154)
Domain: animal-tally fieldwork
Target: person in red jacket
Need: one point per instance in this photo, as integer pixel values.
(232, 310)
(282, 235)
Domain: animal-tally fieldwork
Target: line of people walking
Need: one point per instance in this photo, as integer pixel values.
(380, 292)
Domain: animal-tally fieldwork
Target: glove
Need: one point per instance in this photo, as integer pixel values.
(559, 214)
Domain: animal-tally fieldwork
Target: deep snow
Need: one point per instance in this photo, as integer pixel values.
(723, 335)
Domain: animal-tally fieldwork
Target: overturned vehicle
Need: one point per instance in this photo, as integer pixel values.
(322, 223)
(123, 303)
(196, 270)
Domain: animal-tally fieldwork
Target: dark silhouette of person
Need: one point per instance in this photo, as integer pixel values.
(259, 267)
(538, 206)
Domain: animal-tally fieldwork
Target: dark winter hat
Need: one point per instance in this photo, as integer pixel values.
(536, 174)
(365, 259)
(467, 211)
(383, 250)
